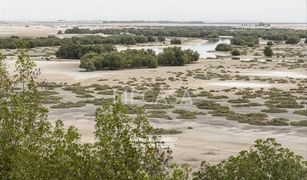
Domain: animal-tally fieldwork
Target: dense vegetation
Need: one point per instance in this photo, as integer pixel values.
(223, 47)
(161, 39)
(245, 40)
(119, 60)
(77, 30)
(265, 160)
(172, 56)
(71, 50)
(143, 35)
(17, 42)
(293, 40)
(124, 148)
(200, 32)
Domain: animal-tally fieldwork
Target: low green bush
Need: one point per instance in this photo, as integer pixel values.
(184, 114)
(301, 112)
(235, 52)
(274, 110)
(161, 131)
(68, 105)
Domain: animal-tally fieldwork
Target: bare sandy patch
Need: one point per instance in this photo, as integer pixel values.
(240, 84)
(281, 74)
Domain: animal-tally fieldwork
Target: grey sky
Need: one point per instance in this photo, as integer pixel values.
(177, 10)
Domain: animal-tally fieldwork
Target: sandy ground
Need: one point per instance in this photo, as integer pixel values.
(210, 139)
(69, 71)
(25, 30)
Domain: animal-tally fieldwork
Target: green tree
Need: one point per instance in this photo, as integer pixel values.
(29, 147)
(171, 56)
(174, 56)
(32, 148)
(265, 160)
(123, 148)
(223, 47)
(151, 39)
(152, 62)
(69, 50)
(176, 41)
(268, 52)
(293, 39)
(235, 52)
(161, 39)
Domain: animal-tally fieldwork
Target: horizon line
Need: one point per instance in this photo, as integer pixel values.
(145, 21)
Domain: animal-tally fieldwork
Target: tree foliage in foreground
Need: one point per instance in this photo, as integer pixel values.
(265, 160)
(33, 148)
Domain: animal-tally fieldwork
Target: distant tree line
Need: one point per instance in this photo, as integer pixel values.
(77, 30)
(172, 56)
(15, 42)
(71, 50)
(199, 32)
(144, 35)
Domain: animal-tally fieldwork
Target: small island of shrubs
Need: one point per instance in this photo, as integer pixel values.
(223, 47)
(172, 56)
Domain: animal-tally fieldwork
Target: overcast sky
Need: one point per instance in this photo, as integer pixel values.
(175, 10)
